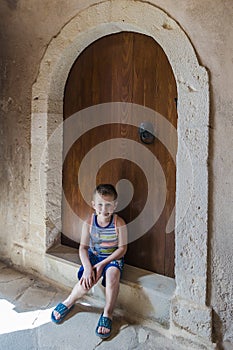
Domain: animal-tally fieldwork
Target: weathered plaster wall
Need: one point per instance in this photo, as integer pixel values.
(27, 27)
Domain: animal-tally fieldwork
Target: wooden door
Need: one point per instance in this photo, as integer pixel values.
(123, 67)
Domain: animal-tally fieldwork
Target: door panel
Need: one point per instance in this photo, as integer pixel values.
(123, 67)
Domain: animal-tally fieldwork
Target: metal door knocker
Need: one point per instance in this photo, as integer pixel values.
(146, 133)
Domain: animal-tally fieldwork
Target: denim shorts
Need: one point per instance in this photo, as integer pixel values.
(95, 259)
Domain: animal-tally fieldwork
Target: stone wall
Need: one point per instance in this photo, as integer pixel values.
(27, 28)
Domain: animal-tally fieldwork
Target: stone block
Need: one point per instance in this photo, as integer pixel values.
(192, 318)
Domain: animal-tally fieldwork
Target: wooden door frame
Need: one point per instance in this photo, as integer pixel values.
(189, 306)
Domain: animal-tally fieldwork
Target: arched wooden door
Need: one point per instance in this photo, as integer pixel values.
(123, 67)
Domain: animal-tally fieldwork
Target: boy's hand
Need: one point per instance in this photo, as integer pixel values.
(99, 269)
(88, 278)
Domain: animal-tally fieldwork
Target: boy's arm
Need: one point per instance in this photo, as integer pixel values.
(88, 278)
(122, 239)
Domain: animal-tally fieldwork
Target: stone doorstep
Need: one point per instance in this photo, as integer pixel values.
(143, 294)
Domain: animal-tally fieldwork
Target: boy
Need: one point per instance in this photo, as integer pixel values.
(102, 248)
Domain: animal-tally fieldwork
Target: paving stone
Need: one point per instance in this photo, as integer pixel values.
(76, 332)
(14, 288)
(227, 345)
(36, 298)
(126, 338)
(8, 275)
(19, 340)
(163, 343)
(58, 297)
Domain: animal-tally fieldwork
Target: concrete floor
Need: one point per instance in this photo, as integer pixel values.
(26, 304)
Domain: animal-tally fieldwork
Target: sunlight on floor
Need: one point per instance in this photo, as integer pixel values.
(12, 321)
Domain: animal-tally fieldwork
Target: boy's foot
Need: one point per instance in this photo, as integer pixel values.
(104, 327)
(60, 312)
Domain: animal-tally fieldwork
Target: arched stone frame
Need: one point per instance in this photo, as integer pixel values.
(189, 312)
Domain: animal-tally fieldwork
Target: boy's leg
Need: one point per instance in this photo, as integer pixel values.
(111, 293)
(77, 292)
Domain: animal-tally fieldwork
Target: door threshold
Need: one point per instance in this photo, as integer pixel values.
(143, 294)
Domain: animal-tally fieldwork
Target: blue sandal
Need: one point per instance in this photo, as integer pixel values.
(106, 323)
(62, 310)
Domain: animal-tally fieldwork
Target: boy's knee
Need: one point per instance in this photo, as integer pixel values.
(113, 276)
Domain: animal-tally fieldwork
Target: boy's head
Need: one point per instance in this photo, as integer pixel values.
(106, 190)
(104, 200)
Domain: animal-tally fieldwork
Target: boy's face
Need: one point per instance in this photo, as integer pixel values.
(104, 205)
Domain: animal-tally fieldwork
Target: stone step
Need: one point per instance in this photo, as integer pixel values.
(143, 294)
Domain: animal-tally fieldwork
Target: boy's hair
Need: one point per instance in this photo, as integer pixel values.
(106, 190)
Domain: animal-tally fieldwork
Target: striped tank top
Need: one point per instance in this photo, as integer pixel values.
(103, 240)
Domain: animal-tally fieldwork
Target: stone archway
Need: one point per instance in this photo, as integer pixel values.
(189, 312)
